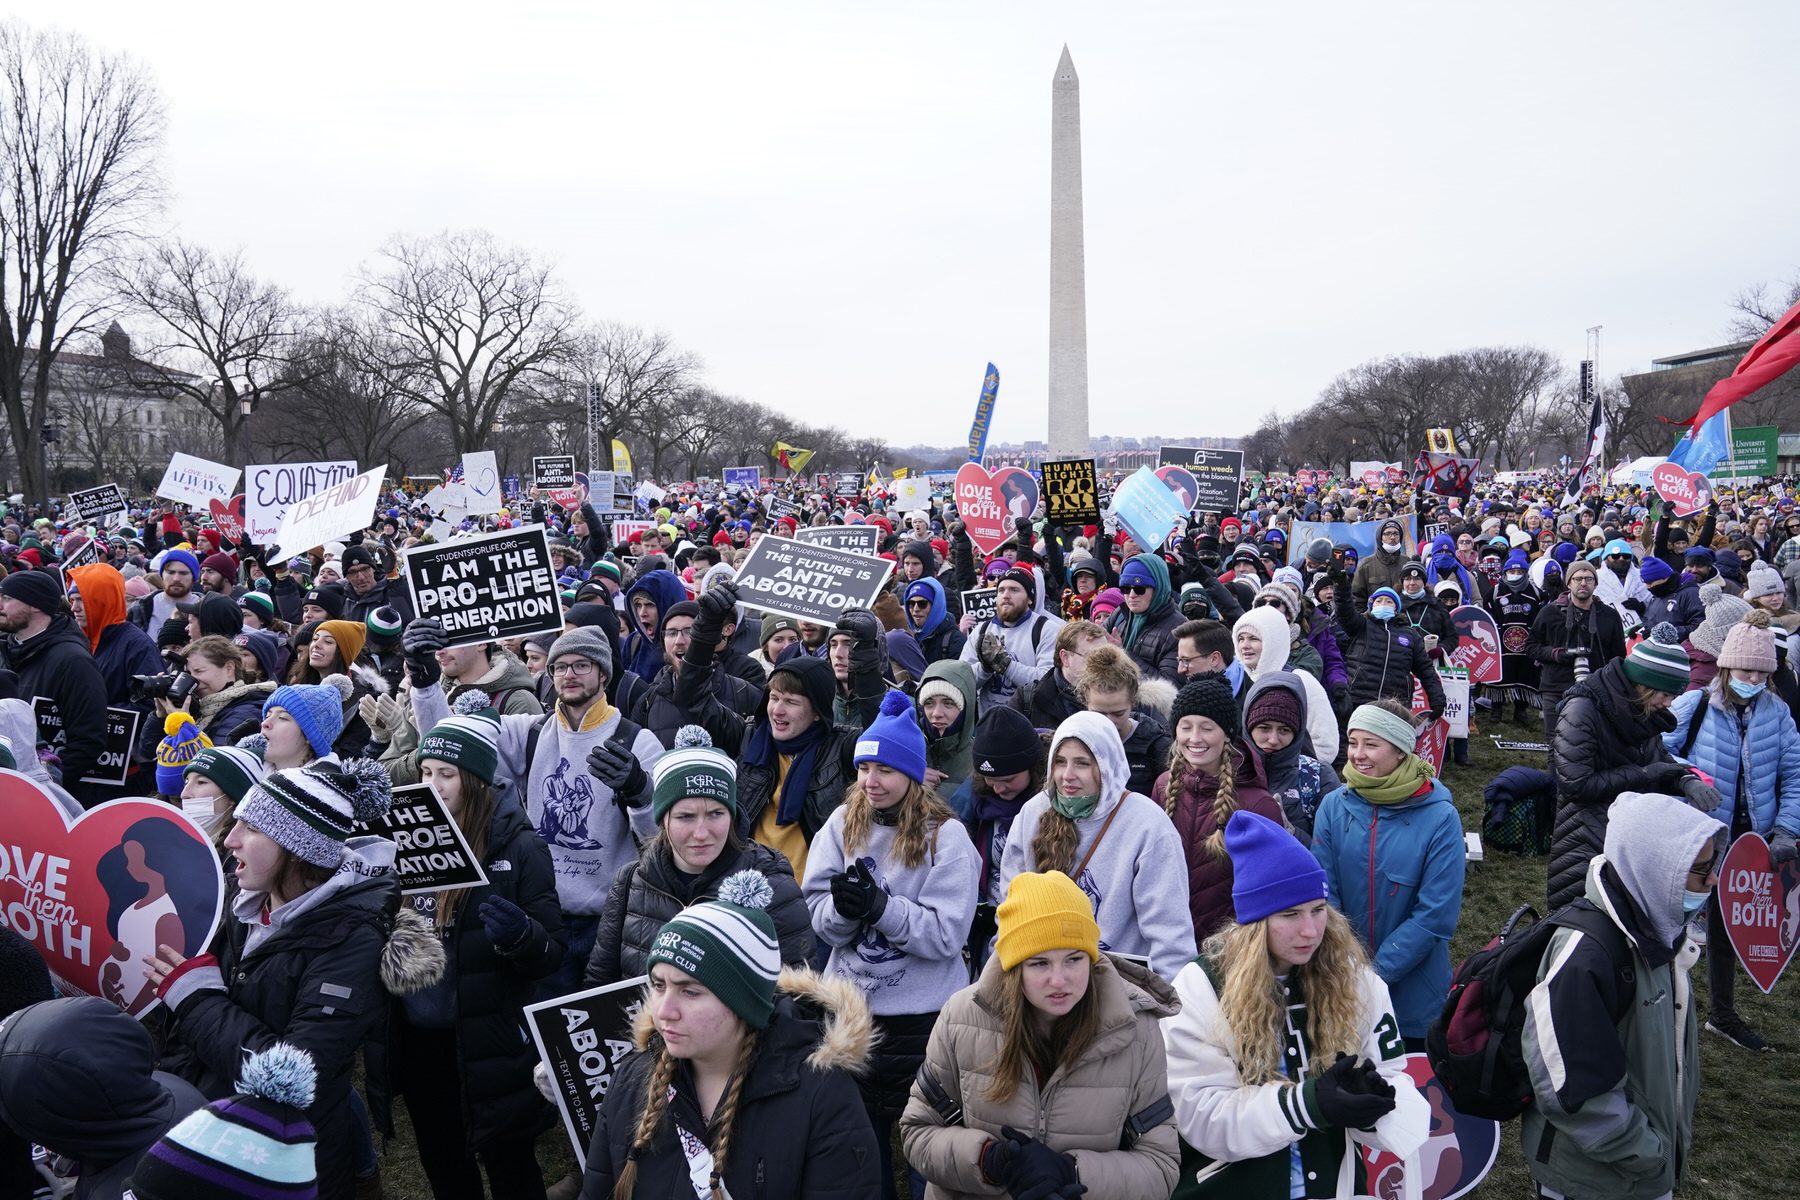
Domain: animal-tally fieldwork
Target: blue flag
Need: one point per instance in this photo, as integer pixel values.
(1702, 450)
(984, 413)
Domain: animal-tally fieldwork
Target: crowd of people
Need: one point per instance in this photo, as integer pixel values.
(1137, 887)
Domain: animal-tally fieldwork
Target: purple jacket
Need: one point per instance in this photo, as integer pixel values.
(1325, 642)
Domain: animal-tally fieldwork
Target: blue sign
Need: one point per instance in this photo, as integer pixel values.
(1360, 534)
(984, 413)
(746, 477)
(1147, 509)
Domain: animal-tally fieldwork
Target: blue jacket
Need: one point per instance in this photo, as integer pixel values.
(1766, 733)
(644, 654)
(1680, 606)
(125, 650)
(1396, 872)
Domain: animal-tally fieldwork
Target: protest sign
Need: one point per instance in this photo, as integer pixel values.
(1458, 1153)
(91, 504)
(270, 487)
(807, 581)
(1216, 474)
(228, 517)
(1685, 492)
(88, 553)
(911, 495)
(434, 856)
(622, 530)
(190, 480)
(583, 1038)
(1761, 906)
(783, 508)
(550, 471)
(848, 483)
(979, 603)
(649, 493)
(747, 477)
(1071, 493)
(1430, 531)
(1434, 737)
(987, 503)
(858, 539)
(600, 490)
(1478, 643)
(95, 910)
(329, 514)
(1148, 511)
(119, 739)
(1359, 534)
(481, 479)
(1455, 681)
(482, 589)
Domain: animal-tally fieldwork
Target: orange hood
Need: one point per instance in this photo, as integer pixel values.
(102, 591)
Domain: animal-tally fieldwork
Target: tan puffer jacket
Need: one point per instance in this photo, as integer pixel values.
(1081, 1109)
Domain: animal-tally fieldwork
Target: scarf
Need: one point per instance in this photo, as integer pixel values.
(1076, 808)
(1411, 777)
(802, 751)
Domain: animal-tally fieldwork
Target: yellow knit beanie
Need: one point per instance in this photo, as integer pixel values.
(1044, 912)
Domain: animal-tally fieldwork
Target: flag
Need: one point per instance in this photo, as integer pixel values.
(1776, 352)
(791, 458)
(1702, 450)
(1446, 474)
(901, 472)
(621, 458)
(984, 413)
(1596, 447)
(874, 480)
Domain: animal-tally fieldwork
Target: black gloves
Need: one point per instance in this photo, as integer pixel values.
(1782, 848)
(419, 646)
(613, 763)
(1353, 1095)
(506, 923)
(856, 896)
(718, 605)
(1028, 1169)
(865, 651)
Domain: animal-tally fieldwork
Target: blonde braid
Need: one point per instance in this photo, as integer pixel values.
(1053, 845)
(656, 1103)
(1225, 803)
(727, 1114)
(1178, 769)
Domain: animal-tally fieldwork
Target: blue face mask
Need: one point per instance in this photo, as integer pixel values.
(1747, 691)
(1382, 612)
(1692, 901)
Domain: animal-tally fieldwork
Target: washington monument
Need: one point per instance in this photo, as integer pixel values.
(1068, 272)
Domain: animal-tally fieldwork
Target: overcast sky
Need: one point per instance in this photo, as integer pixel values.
(843, 208)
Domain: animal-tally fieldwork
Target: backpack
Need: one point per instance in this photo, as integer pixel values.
(1476, 1043)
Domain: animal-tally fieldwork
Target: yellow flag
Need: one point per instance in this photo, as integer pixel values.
(791, 458)
(900, 472)
(621, 458)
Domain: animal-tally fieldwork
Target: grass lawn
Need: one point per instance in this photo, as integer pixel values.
(1747, 1135)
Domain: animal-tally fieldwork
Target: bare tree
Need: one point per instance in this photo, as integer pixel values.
(330, 405)
(642, 376)
(465, 327)
(79, 133)
(1756, 310)
(1506, 393)
(220, 337)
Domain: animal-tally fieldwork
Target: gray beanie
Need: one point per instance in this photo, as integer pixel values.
(588, 642)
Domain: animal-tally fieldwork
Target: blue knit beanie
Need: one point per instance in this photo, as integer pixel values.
(1518, 560)
(1136, 574)
(318, 708)
(1654, 570)
(894, 738)
(185, 559)
(1271, 871)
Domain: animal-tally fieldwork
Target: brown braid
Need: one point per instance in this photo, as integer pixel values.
(656, 1103)
(1053, 845)
(1225, 803)
(720, 1126)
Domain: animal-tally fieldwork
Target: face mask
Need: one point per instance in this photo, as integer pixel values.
(1747, 691)
(1391, 547)
(1382, 612)
(1692, 902)
(199, 810)
(1076, 808)
(1515, 578)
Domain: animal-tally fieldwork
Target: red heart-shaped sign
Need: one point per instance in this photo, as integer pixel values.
(1686, 492)
(1761, 903)
(1181, 481)
(987, 503)
(98, 896)
(229, 517)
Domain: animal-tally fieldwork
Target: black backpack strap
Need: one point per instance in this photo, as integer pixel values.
(531, 743)
(937, 1097)
(1693, 729)
(1583, 916)
(1139, 1123)
(1037, 630)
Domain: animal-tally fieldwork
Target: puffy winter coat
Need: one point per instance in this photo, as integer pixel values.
(1396, 873)
(800, 1129)
(1603, 747)
(1209, 879)
(1155, 649)
(1048, 702)
(1561, 632)
(389, 592)
(1762, 734)
(657, 711)
(1389, 656)
(222, 713)
(1377, 570)
(1677, 603)
(321, 981)
(650, 892)
(1082, 1110)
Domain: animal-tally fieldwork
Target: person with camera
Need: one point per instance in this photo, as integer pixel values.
(1571, 638)
(52, 658)
(97, 603)
(223, 703)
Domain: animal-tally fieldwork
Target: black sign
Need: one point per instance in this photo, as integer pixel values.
(583, 1038)
(121, 736)
(809, 582)
(89, 553)
(1071, 493)
(553, 471)
(1218, 475)
(434, 856)
(849, 483)
(90, 504)
(979, 603)
(1431, 530)
(783, 508)
(858, 539)
(498, 585)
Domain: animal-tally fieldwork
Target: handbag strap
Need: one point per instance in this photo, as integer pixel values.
(1095, 844)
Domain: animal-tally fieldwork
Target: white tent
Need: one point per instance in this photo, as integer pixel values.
(1637, 471)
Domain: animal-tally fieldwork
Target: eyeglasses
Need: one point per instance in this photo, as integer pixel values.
(1187, 662)
(1136, 589)
(579, 667)
(1707, 873)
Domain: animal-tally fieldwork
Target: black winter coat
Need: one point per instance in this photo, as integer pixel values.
(57, 663)
(1155, 650)
(390, 592)
(1389, 656)
(494, 1053)
(321, 983)
(801, 1131)
(648, 893)
(656, 710)
(1603, 747)
(1561, 631)
(1048, 701)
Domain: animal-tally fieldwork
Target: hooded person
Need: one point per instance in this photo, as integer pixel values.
(947, 710)
(928, 619)
(1390, 655)
(1145, 626)
(1262, 637)
(78, 1076)
(1673, 597)
(1610, 1040)
(1275, 727)
(19, 733)
(1118, 845)
(647, 601)
(1381, 567)
(1393, 820)
(121, 649)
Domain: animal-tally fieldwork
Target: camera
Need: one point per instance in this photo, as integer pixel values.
(175, 687)
(1581, 667)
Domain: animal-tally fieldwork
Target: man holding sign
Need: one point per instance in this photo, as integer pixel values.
(52, 658)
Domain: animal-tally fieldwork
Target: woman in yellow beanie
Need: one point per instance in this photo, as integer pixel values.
(1054, 1037)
